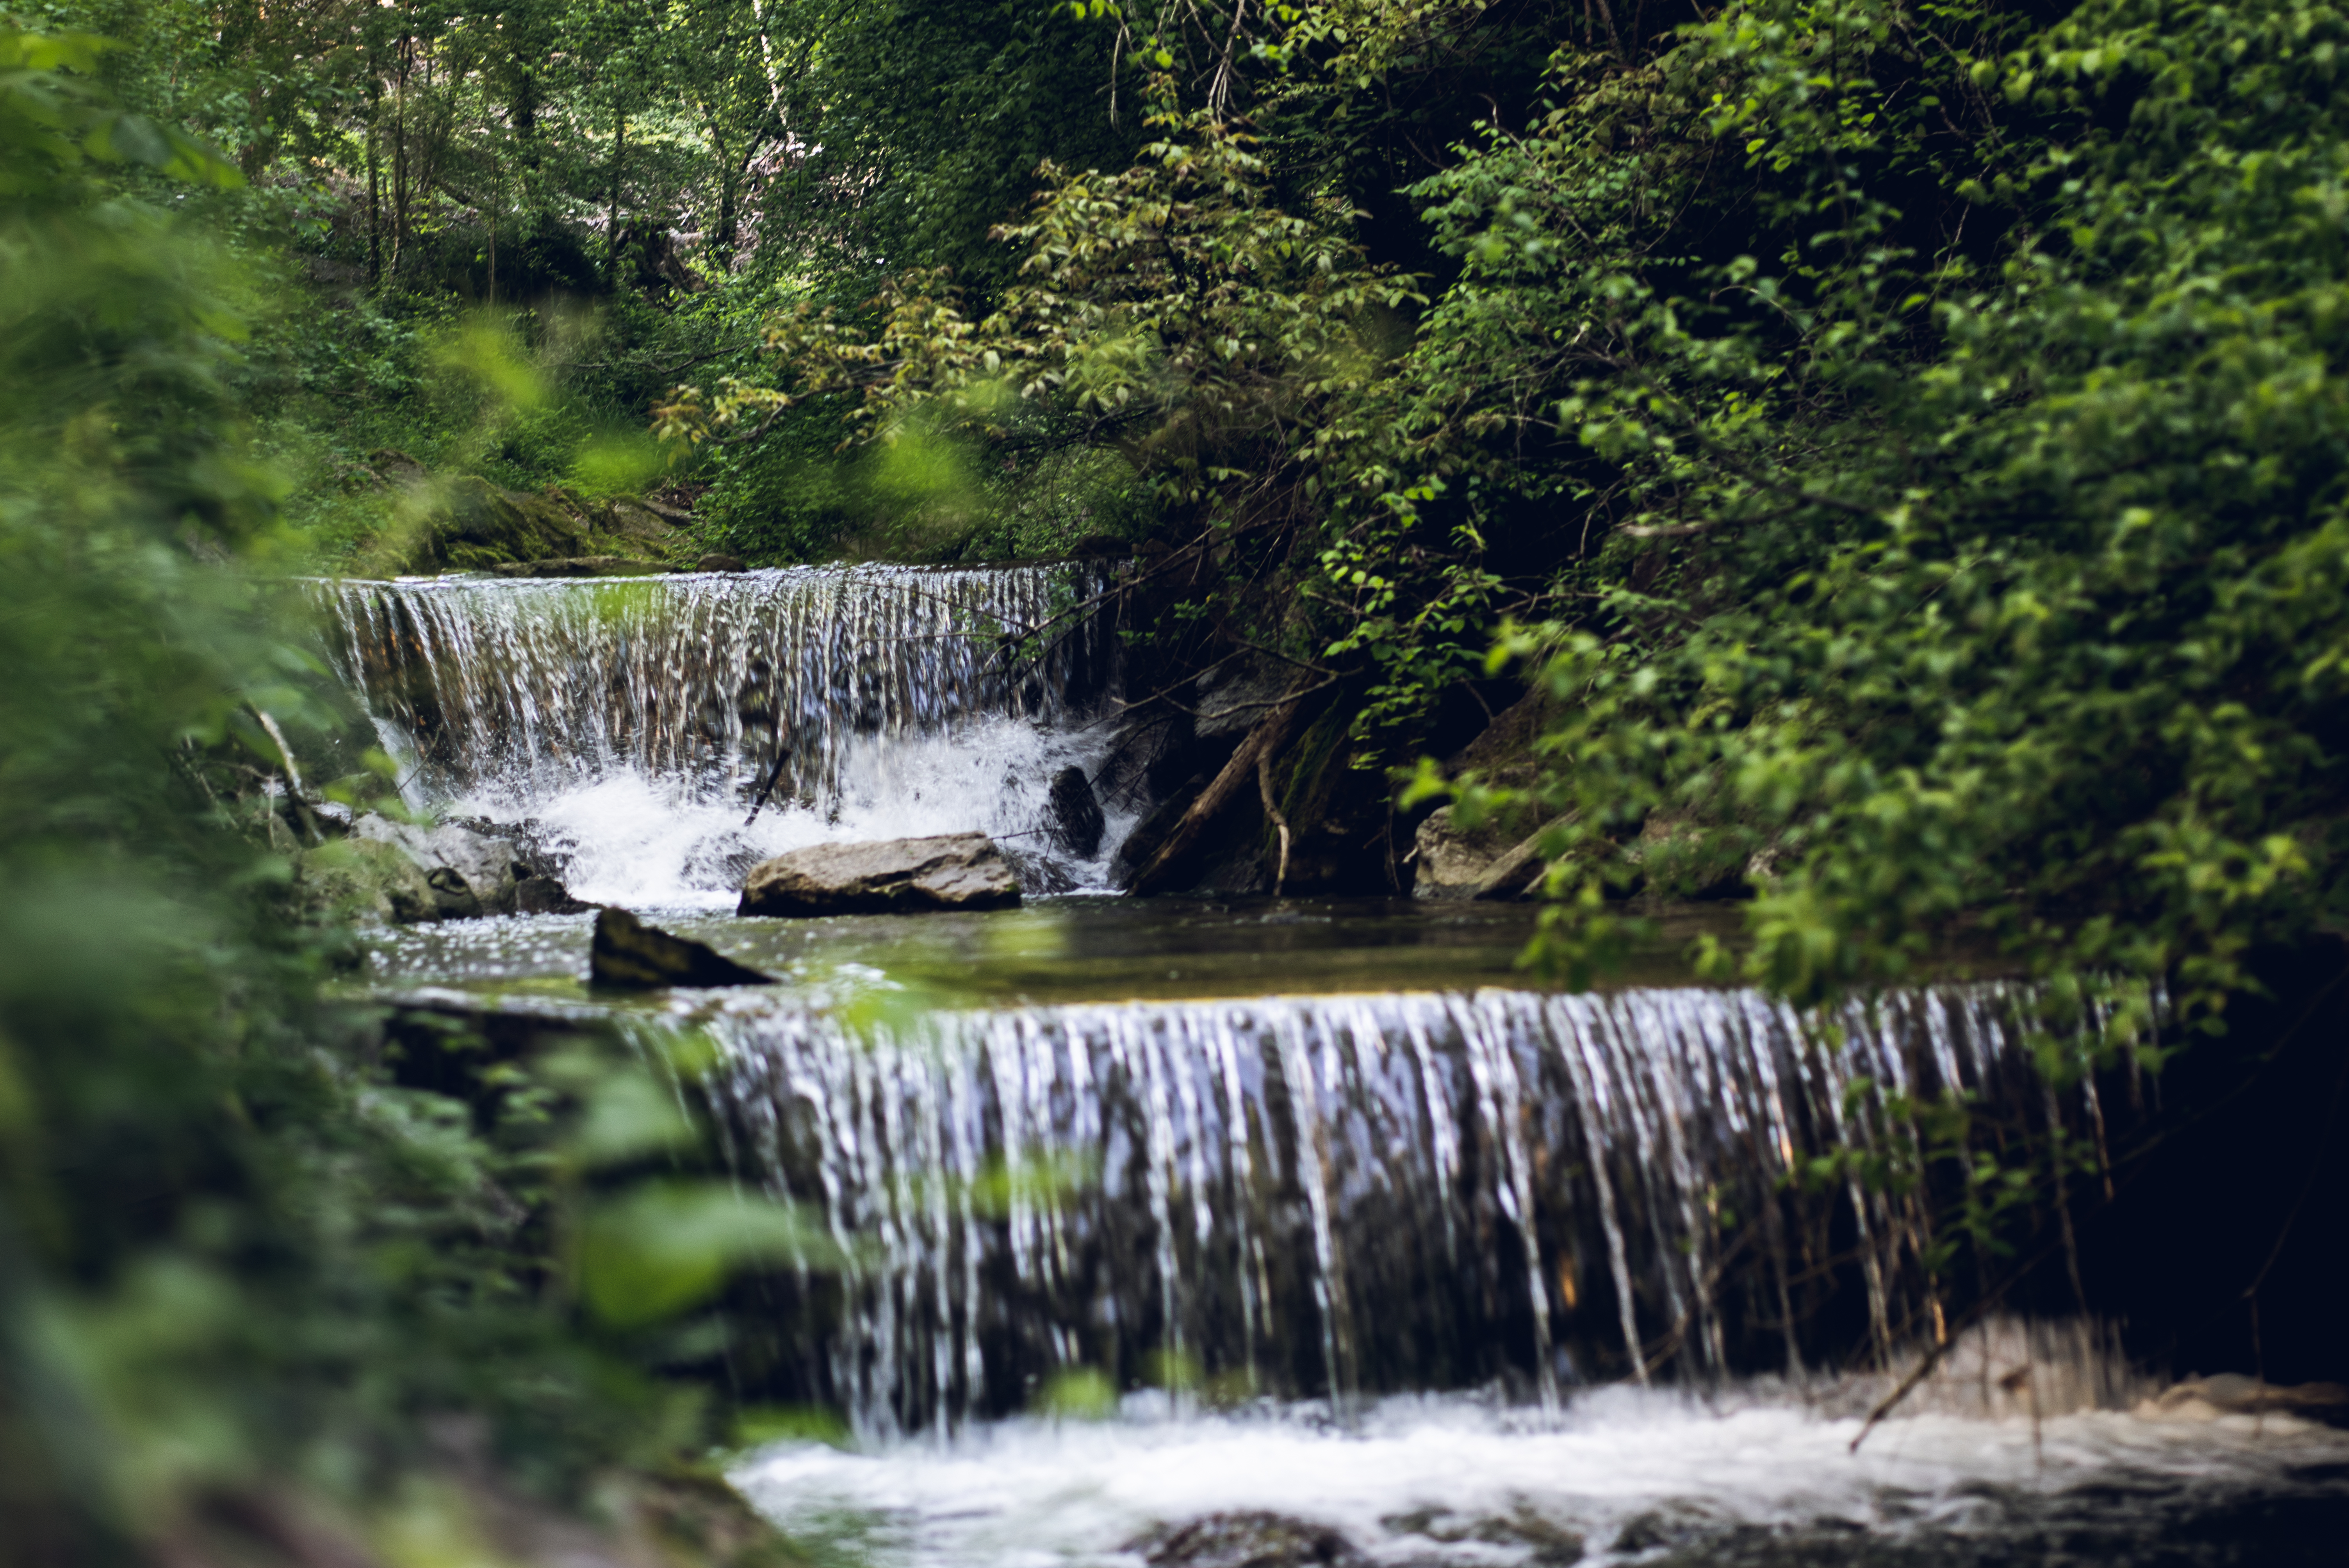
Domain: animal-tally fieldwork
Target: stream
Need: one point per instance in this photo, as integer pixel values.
(1256, 1231)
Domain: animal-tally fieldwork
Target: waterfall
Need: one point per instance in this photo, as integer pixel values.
(1444, 1277)
(631, 719)
(1340, 1197)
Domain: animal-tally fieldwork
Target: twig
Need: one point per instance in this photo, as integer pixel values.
(1271, 809)
(774, 777)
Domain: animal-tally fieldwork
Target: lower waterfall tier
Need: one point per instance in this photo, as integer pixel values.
(1345, 1196)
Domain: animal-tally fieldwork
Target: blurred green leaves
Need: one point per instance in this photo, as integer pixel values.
(664, 1246)
(54, 120)
(248, 1243)
(1078, 1394)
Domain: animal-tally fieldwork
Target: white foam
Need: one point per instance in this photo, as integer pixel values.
(647, 841)
(1032, 1492)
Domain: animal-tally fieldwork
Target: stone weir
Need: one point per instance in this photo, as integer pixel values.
(528, 687)
(1346, 1196)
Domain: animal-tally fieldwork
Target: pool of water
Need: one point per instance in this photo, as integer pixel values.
(1074, 948)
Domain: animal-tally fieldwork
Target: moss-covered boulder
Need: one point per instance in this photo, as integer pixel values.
(474, 526)
(372, 881)
(464, 523)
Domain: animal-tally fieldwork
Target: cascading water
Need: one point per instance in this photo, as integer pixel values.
(630, 720)
(1340, 1197)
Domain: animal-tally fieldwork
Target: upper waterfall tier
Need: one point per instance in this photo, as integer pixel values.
(631, 719)
(701, 675)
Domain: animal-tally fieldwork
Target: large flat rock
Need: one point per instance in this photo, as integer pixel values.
(887, 876)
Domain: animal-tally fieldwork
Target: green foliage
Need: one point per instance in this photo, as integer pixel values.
(2002, 600)
(1906, 441)
(1903, 441)
(239, 1260)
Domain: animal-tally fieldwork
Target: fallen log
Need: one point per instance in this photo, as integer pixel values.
(1271, 733)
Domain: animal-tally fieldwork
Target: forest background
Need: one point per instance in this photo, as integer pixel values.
(1904, 440)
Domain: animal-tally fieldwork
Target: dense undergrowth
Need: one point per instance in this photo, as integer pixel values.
(262, 1299)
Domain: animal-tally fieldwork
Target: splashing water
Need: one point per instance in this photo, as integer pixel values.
(631, 721)
(644, 842)
(1624, 1475)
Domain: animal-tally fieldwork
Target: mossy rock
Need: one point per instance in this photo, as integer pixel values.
(480, 526)
(466, 524)
(368, 880)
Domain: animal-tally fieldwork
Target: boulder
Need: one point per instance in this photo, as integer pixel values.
(1506, 751)
(537, 863)
(1244, 1540)
(470, 872)
(890, 876)
(626, 951)
(365, 879)
(1488, 861)
(1072, 817)
(717, 563)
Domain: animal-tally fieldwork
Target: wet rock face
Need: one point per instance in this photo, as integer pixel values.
(1247, 1540)
(538, 867)
(1233, 699)
(1073, 816)
(541, 894)
(468, 873)
(627, 953)
(1142, 843)
(407, 873)
(887, 876)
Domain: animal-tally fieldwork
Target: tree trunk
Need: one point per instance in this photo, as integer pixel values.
(619, 149)
(721, 239)
(400, 162)
(375, 189)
